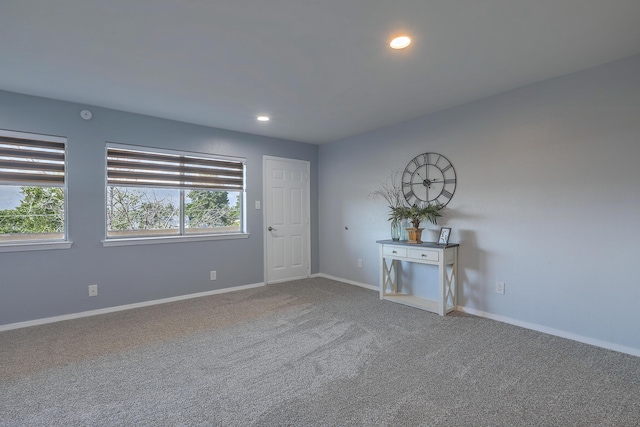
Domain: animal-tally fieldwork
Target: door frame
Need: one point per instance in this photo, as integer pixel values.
(307, 164)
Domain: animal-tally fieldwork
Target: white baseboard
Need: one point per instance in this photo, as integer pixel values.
(349, 282)
(289, 279)
(551, 331)
(46, 320)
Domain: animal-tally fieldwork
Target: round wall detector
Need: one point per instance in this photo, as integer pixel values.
(86, 114)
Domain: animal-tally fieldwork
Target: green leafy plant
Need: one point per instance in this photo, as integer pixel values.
(415, 214)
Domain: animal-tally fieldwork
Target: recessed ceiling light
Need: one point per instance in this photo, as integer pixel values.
(263, 118)
(400, 42)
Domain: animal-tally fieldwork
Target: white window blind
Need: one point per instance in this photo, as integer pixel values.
(27, 159)
(140, 168)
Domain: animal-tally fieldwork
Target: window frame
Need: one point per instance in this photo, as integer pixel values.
(44, 243)
(183, 237)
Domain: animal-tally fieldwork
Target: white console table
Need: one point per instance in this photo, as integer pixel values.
(445, 257)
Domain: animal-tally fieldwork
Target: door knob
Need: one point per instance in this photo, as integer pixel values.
(271, 229)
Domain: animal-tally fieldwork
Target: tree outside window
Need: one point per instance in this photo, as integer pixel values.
(39, 214)
(137, 212)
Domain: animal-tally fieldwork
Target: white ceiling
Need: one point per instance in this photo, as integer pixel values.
(321, 69)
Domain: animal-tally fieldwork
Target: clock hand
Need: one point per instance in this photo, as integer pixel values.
(427, 182)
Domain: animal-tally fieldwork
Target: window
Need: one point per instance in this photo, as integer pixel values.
(167, 193)
(32, 188)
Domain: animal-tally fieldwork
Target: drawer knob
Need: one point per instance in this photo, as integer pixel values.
(424, 255)
(395, 252)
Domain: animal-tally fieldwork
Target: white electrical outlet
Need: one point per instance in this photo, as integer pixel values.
(500, 288)
(257, 204)
(212, 275)
(93, 290)
(359, 263)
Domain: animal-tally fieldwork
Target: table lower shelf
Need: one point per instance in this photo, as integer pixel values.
(416, 302)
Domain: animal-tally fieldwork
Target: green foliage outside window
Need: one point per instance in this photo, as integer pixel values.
(41, 210)
(147, 209)
(132, 209)
(210, 209)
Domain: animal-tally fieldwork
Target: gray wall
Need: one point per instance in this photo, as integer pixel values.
(40, 284)
(548, 201)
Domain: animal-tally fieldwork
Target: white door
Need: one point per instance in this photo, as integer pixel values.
(286, 216)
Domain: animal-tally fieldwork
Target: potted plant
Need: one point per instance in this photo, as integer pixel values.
(399, 211)
(415, 214)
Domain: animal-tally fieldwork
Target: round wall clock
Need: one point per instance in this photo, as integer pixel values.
(429, 178)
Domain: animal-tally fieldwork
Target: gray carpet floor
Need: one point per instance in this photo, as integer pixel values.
(307, 353)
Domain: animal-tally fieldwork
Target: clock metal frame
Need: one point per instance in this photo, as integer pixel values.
(429, 179)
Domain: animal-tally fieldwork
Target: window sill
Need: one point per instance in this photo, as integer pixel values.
(33, 246)
(171, 239)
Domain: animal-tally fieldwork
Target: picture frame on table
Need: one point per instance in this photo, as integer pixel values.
(445, 233)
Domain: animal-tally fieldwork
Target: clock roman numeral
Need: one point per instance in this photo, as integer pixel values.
(450, 181)
(409, 195)
(447, 168)
(446, 194)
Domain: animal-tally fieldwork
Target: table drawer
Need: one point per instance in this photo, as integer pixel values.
(395, 251)
(423, 254)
